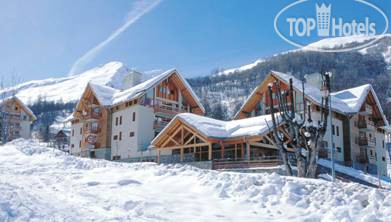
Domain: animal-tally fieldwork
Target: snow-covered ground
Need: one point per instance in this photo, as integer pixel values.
(40, 184)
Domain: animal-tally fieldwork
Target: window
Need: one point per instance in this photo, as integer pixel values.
(116, 157)
(72, 145)
(337, 130)
(120, 136)
(120, 120)
(115, 137)
(333, 129)
(134, 116)
(131, 134)
(116, 121)
(339, 150)
(80, 143)
(81, 130)
(73, 132)
(383, 158)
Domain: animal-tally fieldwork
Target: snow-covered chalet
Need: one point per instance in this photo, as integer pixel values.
(120, 124)
(358, 122)
(16, 119)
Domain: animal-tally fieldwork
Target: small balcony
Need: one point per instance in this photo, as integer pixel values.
(92, 116)
(365, 141)
(365, 125)
(362, 158)
(92, 130)
(159, 125)
(167, 109)
(366, 110)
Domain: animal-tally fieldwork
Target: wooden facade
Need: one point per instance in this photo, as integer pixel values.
(182, 138)
(95, 118)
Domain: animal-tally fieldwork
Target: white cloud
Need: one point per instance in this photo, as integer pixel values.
(139, 8)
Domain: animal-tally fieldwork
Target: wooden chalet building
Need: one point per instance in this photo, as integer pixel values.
(191, 138)
(358, 127)
(120, 124)
(16, 119)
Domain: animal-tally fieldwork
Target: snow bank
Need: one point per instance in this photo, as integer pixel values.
(355, 173)
(41, 184)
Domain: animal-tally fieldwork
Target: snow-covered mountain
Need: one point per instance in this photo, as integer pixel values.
(69, 89)
(382, 45)
(226, 90)
(240, 68)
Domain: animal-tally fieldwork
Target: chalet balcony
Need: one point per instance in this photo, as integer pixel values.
(92, 116)
(366, 125)
(364, 141)
(93, 130)
(159, 124)
(362, 158)
(366, 110)
(167, 109)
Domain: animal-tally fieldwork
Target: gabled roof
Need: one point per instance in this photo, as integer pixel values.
(108, 96)
(356, 97)
(22, 105)
(346, 102)
(218, 129)
(104, 94)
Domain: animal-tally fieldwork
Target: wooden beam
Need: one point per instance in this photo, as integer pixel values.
(248, 151)
(183, 146)
(182, 153)
(158, 156)
(222, 150)
(189, 140)
(265, 145)
(236, 153)
(270, 140)
(209, 151)
(242, 151)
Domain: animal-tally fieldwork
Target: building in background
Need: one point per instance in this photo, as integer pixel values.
(119, 124)
(16, 119)
(359, 123)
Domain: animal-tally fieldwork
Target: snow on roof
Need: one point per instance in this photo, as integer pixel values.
(355, 98)
(139, 89)
(314, 93)
(213, 128)
(26, 108)
(104, 94)
(108, 96)
(240, 68)
(348, 101)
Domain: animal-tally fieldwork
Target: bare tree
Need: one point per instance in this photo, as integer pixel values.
(298, 129)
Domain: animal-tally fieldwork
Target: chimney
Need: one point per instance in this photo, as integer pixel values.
(132, 79)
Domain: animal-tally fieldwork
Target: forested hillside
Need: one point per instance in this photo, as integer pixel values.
(224, 94)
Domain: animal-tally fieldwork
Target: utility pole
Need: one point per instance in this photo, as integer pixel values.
(331, 127)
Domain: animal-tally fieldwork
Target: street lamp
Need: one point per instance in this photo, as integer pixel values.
(326, 88)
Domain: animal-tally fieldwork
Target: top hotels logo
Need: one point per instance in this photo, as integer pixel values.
(324, 24)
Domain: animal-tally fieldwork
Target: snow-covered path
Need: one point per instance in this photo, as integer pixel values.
(39, 184)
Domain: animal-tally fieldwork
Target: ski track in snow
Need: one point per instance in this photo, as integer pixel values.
(41, 184)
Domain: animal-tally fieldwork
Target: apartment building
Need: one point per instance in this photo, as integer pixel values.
(16, 119)
(358, 123)
(120, 124)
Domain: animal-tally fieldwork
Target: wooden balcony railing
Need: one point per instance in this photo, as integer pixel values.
(168, 109)
(92, 130)
(362, 158)
(92, 115)
(364, 141)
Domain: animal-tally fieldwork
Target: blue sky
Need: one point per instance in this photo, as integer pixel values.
(44, 38)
